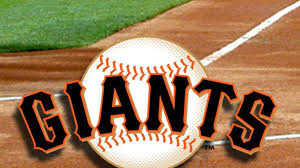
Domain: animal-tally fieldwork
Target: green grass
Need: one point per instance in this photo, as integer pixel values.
(27, 25)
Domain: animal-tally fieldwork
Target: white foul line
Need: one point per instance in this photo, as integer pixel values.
(233, 45)
(11, 98)
(268, 138)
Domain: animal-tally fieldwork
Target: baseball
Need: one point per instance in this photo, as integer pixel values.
(136, 59)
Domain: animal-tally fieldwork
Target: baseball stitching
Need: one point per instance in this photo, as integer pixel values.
(134, 137)
(134, 71)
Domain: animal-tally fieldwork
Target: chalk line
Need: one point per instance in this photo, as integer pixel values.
(11, 98)
(235, 44)
(253, 32)
(268, 138)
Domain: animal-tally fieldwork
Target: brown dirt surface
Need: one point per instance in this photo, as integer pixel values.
(268, 62)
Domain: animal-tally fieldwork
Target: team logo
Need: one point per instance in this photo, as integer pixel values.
(146, 102)
(149, 111)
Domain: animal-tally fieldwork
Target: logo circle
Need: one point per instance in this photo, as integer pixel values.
(135, 60)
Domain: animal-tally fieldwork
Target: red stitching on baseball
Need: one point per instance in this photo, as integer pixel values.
(114, 66)
(136, 137)
(157, 138)
(109, 145)
(184, 142)
(113, 138)
(193, 62)
(143, 74)
(128, 70)
(99, 144)
(184, 64)
(101, 61)
(177, 138)
(144, 138)
(191, 147)
(155, 70)
(178, 69)
(121, 68)
(150, 137)
(163, 134)
(123, 140)
(135, 73)
(148, 70)
(163, 70)
(130, 140)
(170, 70)
(107, 65)
(170, 136)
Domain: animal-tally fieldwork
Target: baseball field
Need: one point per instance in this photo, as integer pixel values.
(252, 43)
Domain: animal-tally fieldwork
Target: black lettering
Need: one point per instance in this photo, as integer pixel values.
(175, 112)
(216, 90)
(246, 116)
(83, 128)
(119, 85)
(35, 126)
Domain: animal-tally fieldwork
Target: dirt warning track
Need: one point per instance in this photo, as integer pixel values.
(268, 62)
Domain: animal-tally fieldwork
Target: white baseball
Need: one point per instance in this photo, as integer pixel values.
(135, 59)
